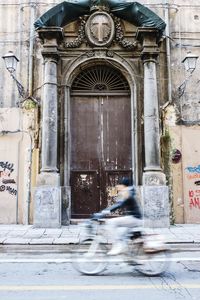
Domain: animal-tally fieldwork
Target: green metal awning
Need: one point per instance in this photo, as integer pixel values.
(70, 10)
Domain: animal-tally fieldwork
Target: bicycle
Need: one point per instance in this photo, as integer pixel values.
(91, 258)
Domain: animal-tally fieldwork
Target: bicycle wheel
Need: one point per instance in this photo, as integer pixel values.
(90, 257)
(152, 264)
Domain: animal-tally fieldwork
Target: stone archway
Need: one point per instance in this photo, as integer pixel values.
(100, 126)
(72, 72)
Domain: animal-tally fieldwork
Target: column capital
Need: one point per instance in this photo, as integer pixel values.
(50, 37)
(47, 34)
(148, 37)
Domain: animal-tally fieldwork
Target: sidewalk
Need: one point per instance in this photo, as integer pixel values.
(28, 235)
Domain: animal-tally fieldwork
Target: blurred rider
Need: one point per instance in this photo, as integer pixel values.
(118, 227)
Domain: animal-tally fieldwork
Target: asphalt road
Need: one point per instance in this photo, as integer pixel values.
(49, 275)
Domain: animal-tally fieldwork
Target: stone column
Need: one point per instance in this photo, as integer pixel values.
(47, 194)
(49, 116)
(155, 193)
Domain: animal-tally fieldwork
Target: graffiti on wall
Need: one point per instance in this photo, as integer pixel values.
(7, 180)
(193, 178)
(194, 196)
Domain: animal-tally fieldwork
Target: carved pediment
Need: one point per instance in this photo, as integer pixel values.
(100, 29)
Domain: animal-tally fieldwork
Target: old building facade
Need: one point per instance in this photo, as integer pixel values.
(113, 100)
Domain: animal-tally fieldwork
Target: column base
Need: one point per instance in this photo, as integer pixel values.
(155, 197)
(155, 200)
(47, 201)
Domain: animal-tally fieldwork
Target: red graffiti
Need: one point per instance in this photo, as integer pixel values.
(191, 193)
(195, 202)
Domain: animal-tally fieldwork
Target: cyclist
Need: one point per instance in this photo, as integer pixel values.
(118, 227)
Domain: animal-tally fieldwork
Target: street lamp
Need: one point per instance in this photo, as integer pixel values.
(190, 62)
(10, 61)
(11, 64)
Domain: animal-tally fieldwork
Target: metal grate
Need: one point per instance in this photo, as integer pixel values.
(100, 79)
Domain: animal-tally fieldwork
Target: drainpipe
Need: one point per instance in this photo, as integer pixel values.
(166, 14)
(28, 161)
(30, 92)
(31, 47)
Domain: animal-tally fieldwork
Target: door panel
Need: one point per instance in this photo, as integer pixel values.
(85, 193)
(84, 130)
(116, 132)
(101, 150)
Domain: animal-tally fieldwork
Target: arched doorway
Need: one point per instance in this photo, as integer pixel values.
(101, 151)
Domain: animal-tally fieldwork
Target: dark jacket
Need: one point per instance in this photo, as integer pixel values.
(129, 205)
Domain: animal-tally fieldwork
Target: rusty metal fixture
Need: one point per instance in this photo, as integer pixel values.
(176, 156)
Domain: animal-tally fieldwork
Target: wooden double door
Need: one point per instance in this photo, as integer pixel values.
(101, 151)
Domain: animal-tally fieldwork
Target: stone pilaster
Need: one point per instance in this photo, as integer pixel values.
(152, 172)
(48, 208)
(154, 191)
(51, 38)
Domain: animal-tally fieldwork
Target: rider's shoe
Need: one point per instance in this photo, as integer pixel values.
(118, 249)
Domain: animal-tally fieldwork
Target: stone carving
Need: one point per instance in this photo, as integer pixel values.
(80, 38)
(110, 53)
(101, 5)
(90, 53)
(100, 29)
(153, 180)
(119, 36)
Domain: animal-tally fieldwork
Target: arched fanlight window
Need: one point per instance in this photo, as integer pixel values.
(100, 78)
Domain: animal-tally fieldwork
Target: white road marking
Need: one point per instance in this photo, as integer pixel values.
(95, 287)
(70, 260)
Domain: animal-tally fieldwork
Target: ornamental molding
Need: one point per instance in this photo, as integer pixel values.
(80, 38)
(101, 29)
(119, 36)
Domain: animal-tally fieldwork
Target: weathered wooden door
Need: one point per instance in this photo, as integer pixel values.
(101, 149)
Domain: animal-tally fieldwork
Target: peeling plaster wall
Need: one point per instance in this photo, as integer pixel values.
(176, 173)
(183, 115)
(15, 164)
(185, 37)
(186, 174)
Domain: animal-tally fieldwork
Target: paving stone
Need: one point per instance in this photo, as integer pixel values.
(27, 234)
(2, 239)
(31, 236)
(10, 241)
(15, 233)
(53, 231)
(41, 241)
(4, 233)
(66, 241)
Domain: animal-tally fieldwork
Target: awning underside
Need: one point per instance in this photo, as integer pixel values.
(69, 11)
